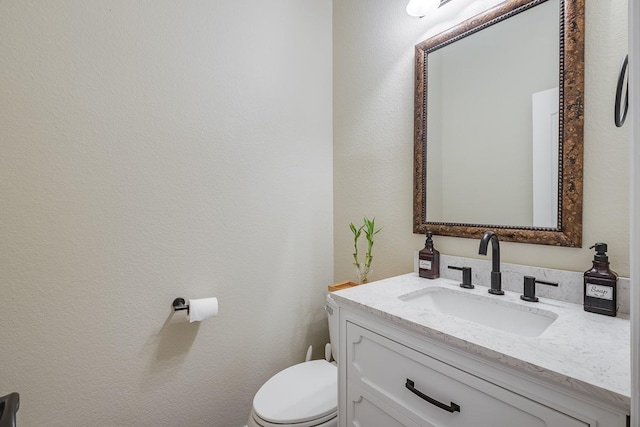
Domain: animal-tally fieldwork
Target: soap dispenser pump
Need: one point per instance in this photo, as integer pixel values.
(600, 284)
(429, 260)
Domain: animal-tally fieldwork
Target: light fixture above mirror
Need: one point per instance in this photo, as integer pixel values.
(420, 8)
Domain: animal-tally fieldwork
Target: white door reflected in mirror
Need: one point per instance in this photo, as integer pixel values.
(545, 157)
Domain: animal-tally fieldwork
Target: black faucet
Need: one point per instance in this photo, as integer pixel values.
(496, 276)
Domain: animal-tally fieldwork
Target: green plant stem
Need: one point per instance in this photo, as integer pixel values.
(369, 232)
(356, 235)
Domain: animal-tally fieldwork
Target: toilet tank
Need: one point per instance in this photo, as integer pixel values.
(332, 316)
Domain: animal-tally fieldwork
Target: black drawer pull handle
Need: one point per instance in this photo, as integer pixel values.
(451, 408)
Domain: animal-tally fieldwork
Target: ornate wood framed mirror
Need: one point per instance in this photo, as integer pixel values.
(498, 139)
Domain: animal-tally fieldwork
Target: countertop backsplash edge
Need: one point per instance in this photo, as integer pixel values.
(570, 283)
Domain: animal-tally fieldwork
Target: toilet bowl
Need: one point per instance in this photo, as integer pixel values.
(302, 395)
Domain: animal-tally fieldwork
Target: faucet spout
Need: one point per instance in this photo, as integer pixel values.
(496, 276)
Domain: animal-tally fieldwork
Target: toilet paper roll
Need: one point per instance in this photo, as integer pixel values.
(202, 308)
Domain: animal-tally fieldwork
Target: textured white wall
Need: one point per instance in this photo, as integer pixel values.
(373, 136)
(152, 150)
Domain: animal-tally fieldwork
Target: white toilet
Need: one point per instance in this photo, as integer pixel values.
(303, 395)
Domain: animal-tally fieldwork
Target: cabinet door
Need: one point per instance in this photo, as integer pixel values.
(435, 393)
(367, 411)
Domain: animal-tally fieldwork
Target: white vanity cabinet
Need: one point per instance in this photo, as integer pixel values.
(390, 376)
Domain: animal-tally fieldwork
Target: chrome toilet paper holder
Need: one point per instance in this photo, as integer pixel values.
(180, 304)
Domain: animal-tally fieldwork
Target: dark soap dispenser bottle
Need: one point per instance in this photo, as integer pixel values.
(600, 284)
(429, 260)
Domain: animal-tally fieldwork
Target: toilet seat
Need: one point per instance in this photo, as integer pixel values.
(328, 421)
(302, 395)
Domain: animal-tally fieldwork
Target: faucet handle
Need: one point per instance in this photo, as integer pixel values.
(530, 288)
(466, 276)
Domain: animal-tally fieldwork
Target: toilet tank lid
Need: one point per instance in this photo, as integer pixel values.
(300, 393)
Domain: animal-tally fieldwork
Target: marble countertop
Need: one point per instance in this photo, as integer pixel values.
(584, 351)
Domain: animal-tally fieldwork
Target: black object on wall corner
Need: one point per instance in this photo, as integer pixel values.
(9, 405)
(620, 113)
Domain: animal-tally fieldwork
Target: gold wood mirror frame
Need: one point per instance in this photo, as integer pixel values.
(568, 231)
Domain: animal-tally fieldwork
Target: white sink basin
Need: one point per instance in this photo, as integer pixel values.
(519, 319)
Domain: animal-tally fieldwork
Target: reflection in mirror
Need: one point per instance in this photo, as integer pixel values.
(499, 126)
(479, 120)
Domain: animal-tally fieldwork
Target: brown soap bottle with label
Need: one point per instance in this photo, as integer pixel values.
(429, 260)
(600, 284)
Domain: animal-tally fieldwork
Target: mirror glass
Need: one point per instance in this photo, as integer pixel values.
(493, 102)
